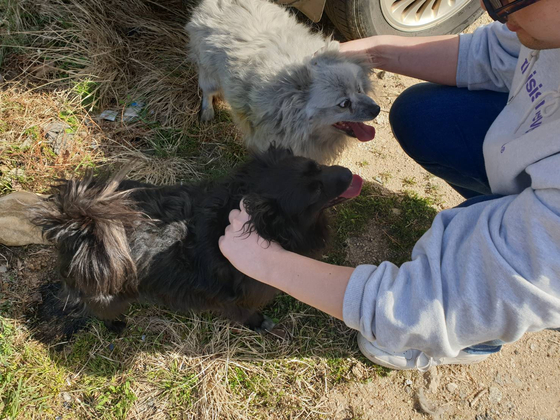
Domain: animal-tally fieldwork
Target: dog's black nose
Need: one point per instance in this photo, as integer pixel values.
(374, 110)
(344, 177)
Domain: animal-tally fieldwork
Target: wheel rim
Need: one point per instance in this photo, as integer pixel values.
(416, 15)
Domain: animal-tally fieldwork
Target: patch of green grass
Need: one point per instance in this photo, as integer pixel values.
(34, 132)
(6, 186)
(240, 380)
(71, 119)
(339, 369)
(405, 217)
(409, 181)
(17, 18)
(86, 90)
(116, 400)
(28, 379)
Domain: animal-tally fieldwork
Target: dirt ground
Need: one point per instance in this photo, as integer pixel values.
(521, 382)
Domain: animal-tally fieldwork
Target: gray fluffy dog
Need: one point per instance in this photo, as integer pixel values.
(284, 84)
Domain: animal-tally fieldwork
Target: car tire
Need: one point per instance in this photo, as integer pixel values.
(362, 18)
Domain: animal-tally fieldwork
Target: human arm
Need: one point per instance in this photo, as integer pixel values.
(433, 59)
(489, 271)
(485, 59)
(485, 272)
(313, 282)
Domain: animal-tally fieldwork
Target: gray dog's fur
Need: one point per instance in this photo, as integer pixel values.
(284, 84)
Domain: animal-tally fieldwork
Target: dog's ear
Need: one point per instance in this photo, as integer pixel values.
(330, 46)
(328, 56)
(270, 222)
(273, 154)
(279, 151)
(360, 59)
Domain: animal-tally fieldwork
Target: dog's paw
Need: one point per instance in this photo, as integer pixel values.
(266, 326)
(207, 114)
(115, 326)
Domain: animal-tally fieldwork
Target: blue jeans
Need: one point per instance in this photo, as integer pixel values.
(442, 128)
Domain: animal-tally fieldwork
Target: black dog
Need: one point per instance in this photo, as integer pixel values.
(125, 241)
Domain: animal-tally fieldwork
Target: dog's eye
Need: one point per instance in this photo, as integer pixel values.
(316, 190)
(345, 103)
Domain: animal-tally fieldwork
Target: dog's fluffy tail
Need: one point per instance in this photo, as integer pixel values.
(88, 220)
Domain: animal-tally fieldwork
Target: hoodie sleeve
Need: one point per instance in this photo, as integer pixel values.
(487, 58)
(484, 272)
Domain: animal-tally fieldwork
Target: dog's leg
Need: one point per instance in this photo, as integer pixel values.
(110, 310)
(249, 317)
(210, 89)
(116, 326)
(58, 316)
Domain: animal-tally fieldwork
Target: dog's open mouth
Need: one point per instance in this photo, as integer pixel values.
(352, 191)
(361, 131)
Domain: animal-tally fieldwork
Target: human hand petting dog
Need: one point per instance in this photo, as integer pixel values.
(248, 252)
(432, 58)
(316, 283)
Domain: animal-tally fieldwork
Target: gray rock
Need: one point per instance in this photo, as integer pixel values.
(452, 387)
(15, 226)
(59, 136)
(494, 395)
(502, 378)
(432, 379)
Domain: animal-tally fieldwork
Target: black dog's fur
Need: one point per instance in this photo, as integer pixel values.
(125, 241)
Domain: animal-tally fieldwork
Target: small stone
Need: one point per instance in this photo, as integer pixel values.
(381, 74)
(16, 172)
(396, 212)
(358, 372)
(28, 142)
(494, 395)
(67, 397)
(408, 382)
(501, 378)
(16, 228)
(452, 387)
(432, 380)
(59, 136)
(3, 268)
(533, 346)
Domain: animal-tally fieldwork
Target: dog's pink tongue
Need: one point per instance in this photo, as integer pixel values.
(354, 188)
(362, 131)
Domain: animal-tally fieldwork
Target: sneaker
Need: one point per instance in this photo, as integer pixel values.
(412, 359)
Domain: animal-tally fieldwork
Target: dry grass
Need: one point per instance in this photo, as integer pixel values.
(97, 55)
(167, 365)
(122, 50)
(27, 158)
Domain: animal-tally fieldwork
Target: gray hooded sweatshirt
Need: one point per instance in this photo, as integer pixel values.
(491, 270)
